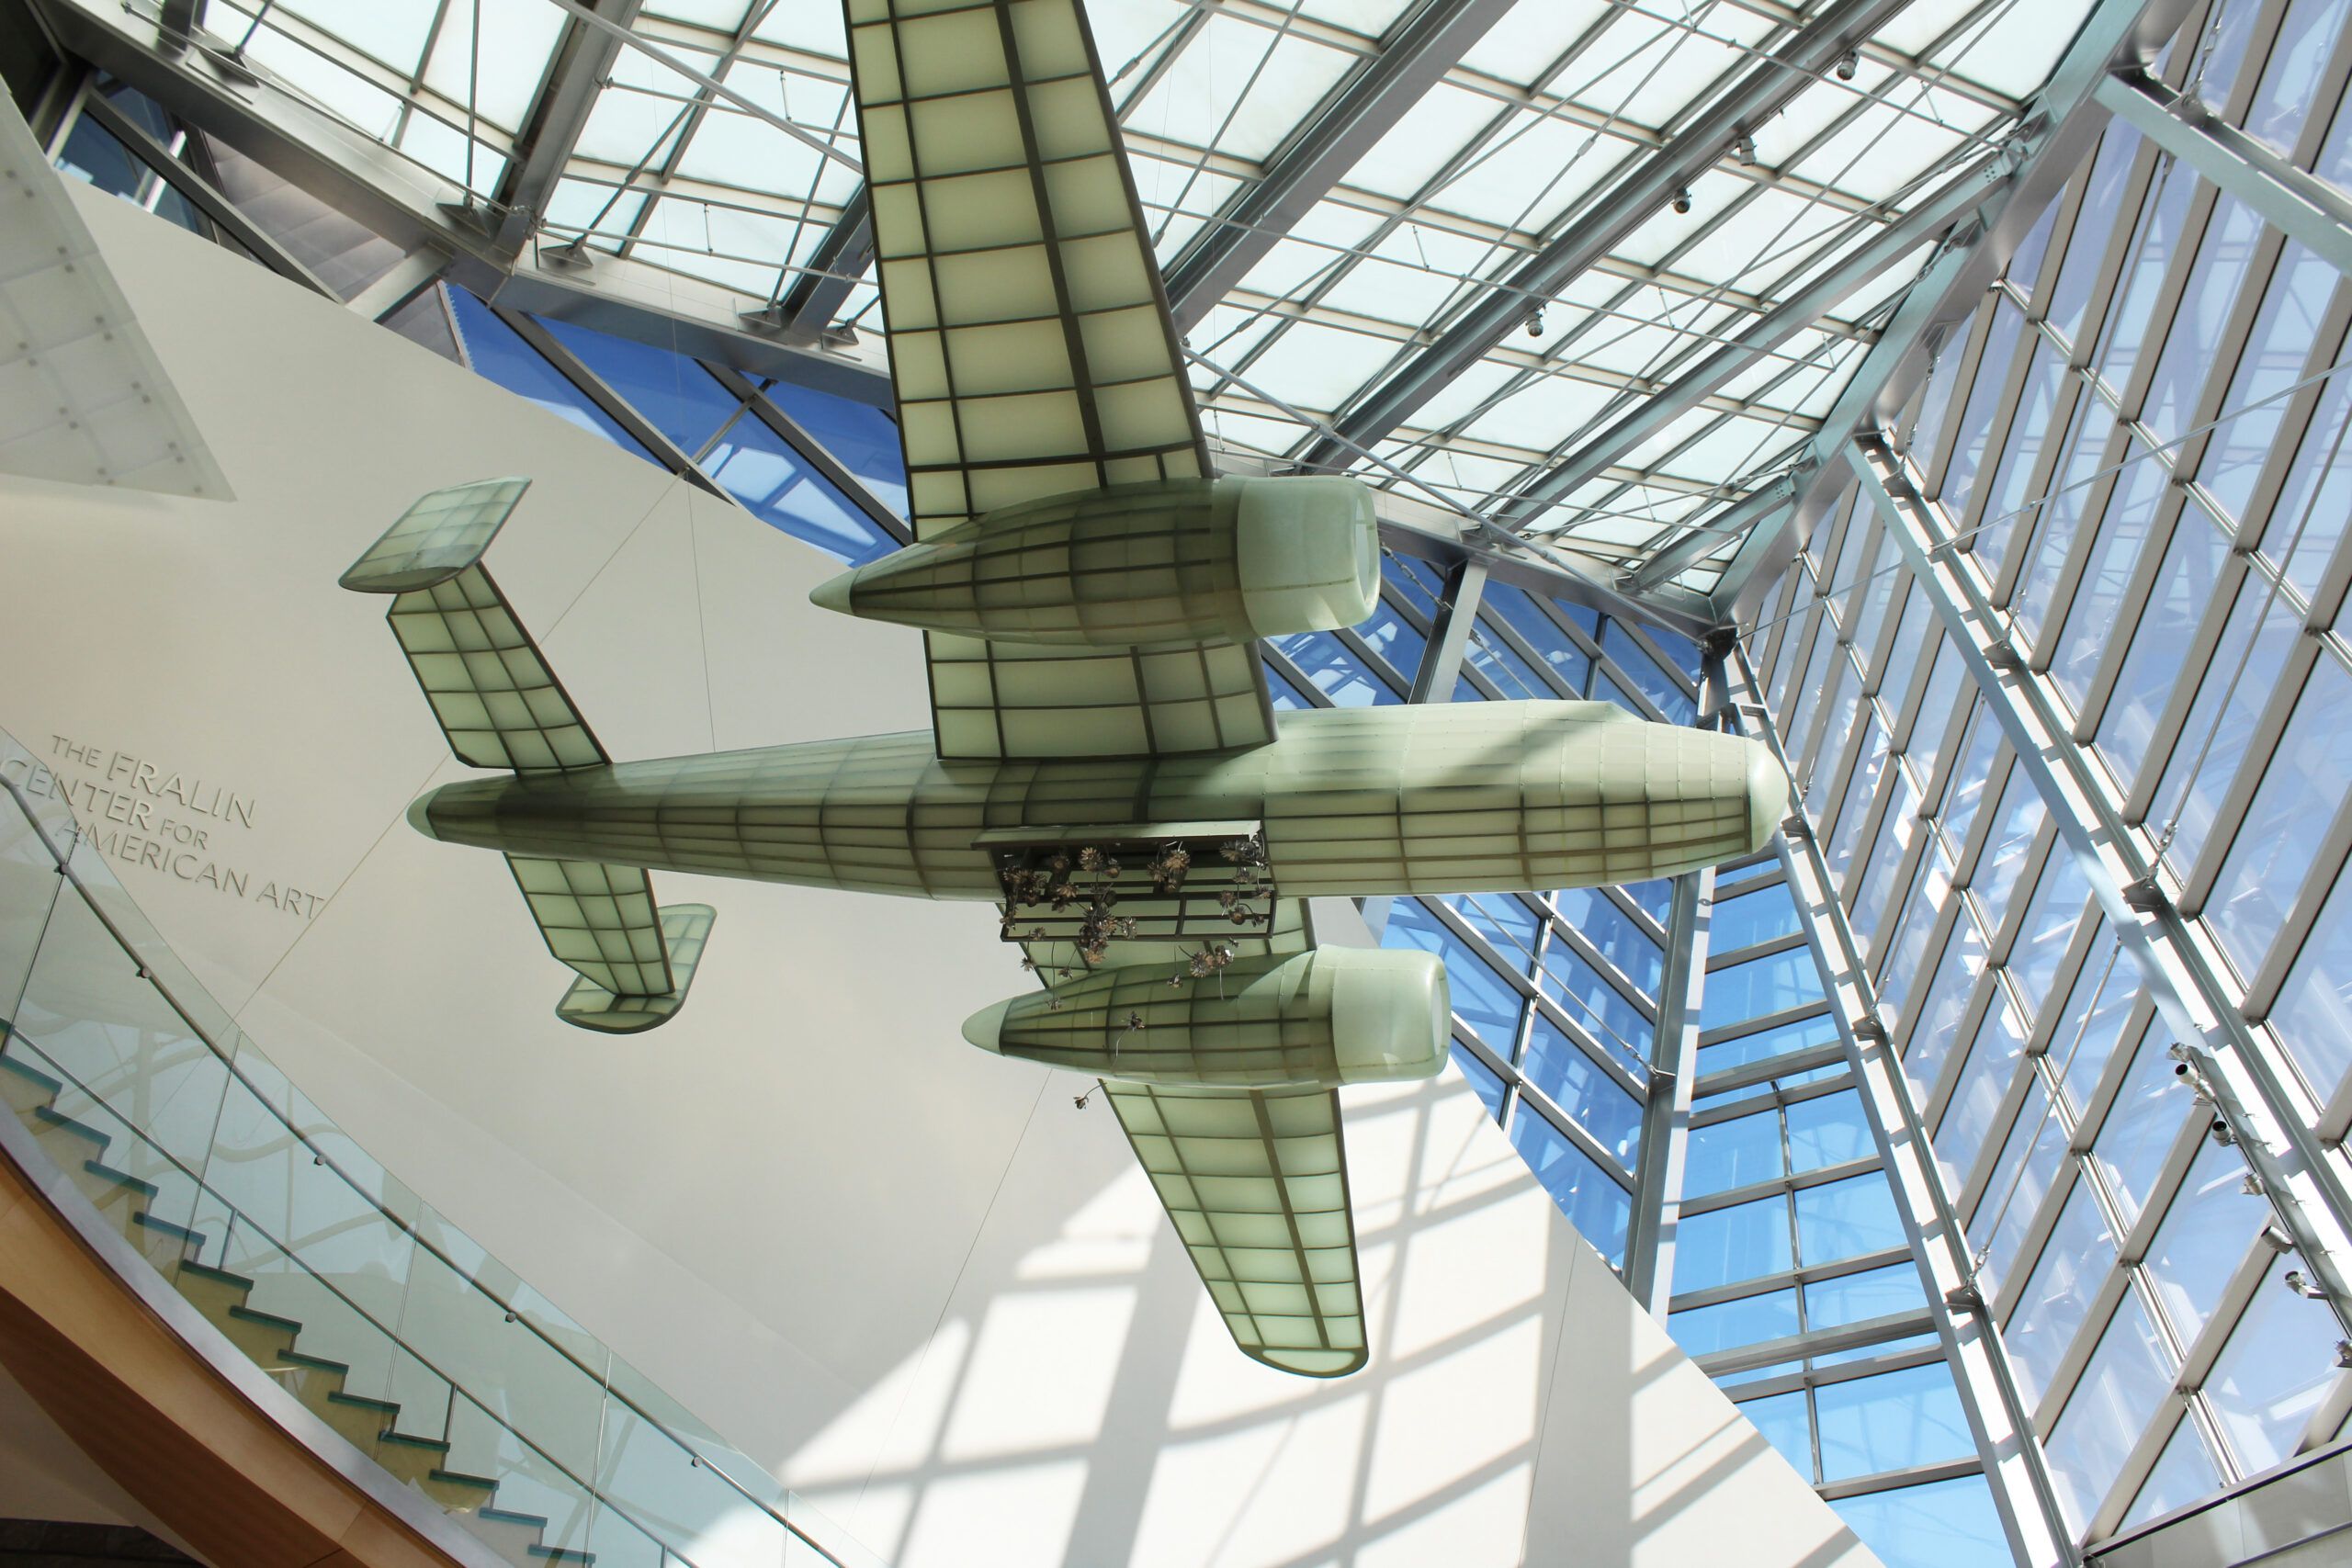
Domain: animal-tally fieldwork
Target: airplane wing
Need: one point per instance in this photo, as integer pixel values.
(502, 706)
(1254, 1180)
(1031, 352)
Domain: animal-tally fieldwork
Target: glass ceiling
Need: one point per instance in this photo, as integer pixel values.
(1523, 140)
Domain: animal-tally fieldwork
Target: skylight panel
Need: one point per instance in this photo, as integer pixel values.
(349, 97)
(1645, 71)
(1462, 396)
(734, 148)
(577, 203)
(1773, 234)
(1325, 238)
(1370, 17)
(393, 34)
(1317, 367)
(1397, 292)
(1423, 140)
(442, 149)
(639, 108)
(1535, 169)
(722, 16)
(1239, 88)
(518, 38)
(1529, 42)
(1540, 415)
(1880, 151)
(2013, 54)
(695, 237)
(816, 28)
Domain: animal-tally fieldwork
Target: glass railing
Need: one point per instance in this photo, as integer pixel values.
(374, 1310)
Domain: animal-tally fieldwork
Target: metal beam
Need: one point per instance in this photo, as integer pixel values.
(1674, 1063)
(1413, 57)
(1696, 544)
(2306, 209)
(2238, 1068)
(1604, 223)
(575, 74)
(369, 183)
(814, 301)
(814, 452)
(1703, 371)
(2116, 33)
(1998, 1417)
(1449, 638)
(223, 214)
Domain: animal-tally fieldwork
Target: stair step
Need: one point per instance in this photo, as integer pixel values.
(29, 1072)
(105, 1172)
(402, 1439)
(459, 1478)
(56, 1119)
(319, 1364)
(509, 1516)
(266, 1319)
(218, 1276)
(365, 1401)
(559, 1554)
(170, 1228)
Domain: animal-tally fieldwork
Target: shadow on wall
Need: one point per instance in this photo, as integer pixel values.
(1517, 1407)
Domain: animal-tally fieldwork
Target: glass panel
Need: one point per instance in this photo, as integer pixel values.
(1891, 1421)
(2279, 1364)
(497, 352)
(1781, 1418)
(1483, 1080)
(1738, 1243)
(677, 396)
(1577, 1085)
(1727, 1326)
(1945, 1524)
(1596, 1205)
(1753, 918)
(2125, 1381)
(1845, 1218)
(2048, 1312)
(1760, 985)
(1724, 1155)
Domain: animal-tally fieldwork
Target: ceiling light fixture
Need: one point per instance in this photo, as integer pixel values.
(1847, 63)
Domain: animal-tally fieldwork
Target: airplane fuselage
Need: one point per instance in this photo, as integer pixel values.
(1362, 802)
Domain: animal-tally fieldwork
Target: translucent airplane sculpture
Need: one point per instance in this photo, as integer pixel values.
(1104, 765)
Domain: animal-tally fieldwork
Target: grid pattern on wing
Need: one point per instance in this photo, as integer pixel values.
(1256, 1183)
(1030, 344)
(445, 532)
(600, 920)
(497, 701)
(994, 699)
(686, 930)
(1290, 933)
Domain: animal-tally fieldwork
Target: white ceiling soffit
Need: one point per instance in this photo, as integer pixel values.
(82, 397)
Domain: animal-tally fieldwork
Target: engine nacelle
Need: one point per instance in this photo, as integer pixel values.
(1137, 566)
(1337, 1015)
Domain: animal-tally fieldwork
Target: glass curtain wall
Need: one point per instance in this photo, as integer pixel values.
(2135, 448)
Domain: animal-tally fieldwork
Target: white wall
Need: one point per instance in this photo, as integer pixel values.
(908, 1276)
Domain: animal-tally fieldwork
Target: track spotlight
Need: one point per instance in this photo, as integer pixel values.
(1743, 147)
(1535, 323)
(1682, 199)
(1847, 63)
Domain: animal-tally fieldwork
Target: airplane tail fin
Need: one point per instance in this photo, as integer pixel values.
(502, 706)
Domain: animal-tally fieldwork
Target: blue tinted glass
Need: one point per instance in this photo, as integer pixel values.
(1386, 634)
(1416, 582)
(1727, 880)
(2277, 348)
(1613, 934)
(2020, 1179)
(1508, 925)
(1753, 918)
(2279, 1364)
(2049, 925)
(1782, 1419)
(1595, 1004)
(861, 438)
(2184, 1475)
(676, 396)
(1858, 1298)
(1727, 1326)
(2162, 219)
(2185, 590)
(2099, 604)
(1766, 1044)
(2074, 1263)
(1652, 898)
(2300, 793)
(1760, 985)
(1728, 1245)
(1482, 998)
(1724, 1155)
(1976, 1097)
(1983, 397)
(1643, 673)
(1945, 1524)
(1561, 1069)
(2202, 1237)
(2313, 1012)
(1539, 631)
(2125, 1380)
(1513, 676)
(1890, 1422)
(2194, 345)
(2290, 78)
(2142, 1126)
(779, 487)
(1596, 1205)
(2237, 682)
(1489, 1088)
(1829, 1131)
(498, 354)
(1286, 697)
(1681, 652)
(1846, 1218)
(1335, 673)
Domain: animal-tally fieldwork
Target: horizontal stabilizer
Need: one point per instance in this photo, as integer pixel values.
(496, 699)
(684, 928)
(601, 920)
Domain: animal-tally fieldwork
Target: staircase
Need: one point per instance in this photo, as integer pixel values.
(423, 1462)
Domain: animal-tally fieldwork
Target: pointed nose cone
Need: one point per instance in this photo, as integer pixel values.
(833, 593)
(419, 816)
(1768, 795)
(985, 1027)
